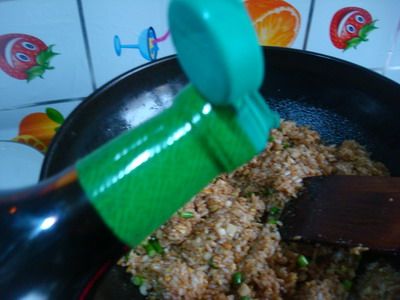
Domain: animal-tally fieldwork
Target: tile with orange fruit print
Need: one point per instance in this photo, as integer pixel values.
(38, 129)
(278, 22)
(35, 126)
(25, 136)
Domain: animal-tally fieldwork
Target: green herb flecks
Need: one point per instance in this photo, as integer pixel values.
(347, 284)
(302, 261)
(287, 145)
(155, 244)
(212, 264)
(273, 215)
(137, 280)
(186, 214)
(237, 278)
(126, 256)
(269, 191)
(150, 251)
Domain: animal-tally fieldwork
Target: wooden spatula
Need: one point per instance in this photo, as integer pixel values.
(346, 211)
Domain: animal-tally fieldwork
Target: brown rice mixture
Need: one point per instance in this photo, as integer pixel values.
(225, 243)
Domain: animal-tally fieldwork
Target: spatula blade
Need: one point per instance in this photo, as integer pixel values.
(347, 211)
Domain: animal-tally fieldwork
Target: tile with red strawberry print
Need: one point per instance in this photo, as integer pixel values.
(42, 52)
(24, 56)
(125, 34)
(360, 31)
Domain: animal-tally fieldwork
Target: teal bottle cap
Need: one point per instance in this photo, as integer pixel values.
(217, 48)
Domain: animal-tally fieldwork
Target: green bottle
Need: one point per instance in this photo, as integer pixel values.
(215, 125)
(139, 180)
(54, 236)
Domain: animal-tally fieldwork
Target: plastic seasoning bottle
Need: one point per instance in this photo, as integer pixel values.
(55, 235)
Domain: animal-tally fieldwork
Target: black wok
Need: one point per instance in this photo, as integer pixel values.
(338, 99)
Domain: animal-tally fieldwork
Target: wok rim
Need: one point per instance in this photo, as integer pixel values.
(87, 101)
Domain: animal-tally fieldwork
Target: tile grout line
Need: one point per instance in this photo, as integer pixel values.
(396, 38)
(86, 42)
(30, 105)
(310, 16)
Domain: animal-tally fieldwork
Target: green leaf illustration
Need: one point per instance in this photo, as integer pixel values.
(362, 36)
(54, 115)
(366, 30)
(35, 71)
(353, 43)
(44, 57)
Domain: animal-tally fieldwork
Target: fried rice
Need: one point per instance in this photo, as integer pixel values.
(225, 242)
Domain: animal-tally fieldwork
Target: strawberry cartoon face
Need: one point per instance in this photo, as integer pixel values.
(350, 26)
(24, 56)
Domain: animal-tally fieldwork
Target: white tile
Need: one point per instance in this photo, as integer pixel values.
(378, 70)
(20, 165)
(394, 58)
(303, 7)
(23, 132)
(393, 74)
(54, 23)
(33, 125)
(128, 20)
(374, 52)
(280, 25)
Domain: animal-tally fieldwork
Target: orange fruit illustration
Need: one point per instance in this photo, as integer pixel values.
(276, 22)
(38, 129)
(31, 141)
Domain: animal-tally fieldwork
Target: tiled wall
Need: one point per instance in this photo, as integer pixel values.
(94, 41)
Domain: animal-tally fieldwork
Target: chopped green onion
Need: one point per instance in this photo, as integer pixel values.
(237, 278)
(150, 251)
(248, 194)
(347, 284)
(126, 256)
(272, 220)
(302, 261)
(155, 243)
(286, 145)
(186, 214)
(137, 280)
(245, 298)
(271, 139)
(269, 191)
(274, 211)
(273, 215)
(212, 264)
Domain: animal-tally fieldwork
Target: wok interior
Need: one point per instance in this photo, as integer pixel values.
(339, 100)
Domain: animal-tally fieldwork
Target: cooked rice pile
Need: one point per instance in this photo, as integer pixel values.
(223, 244)
(380, 281)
